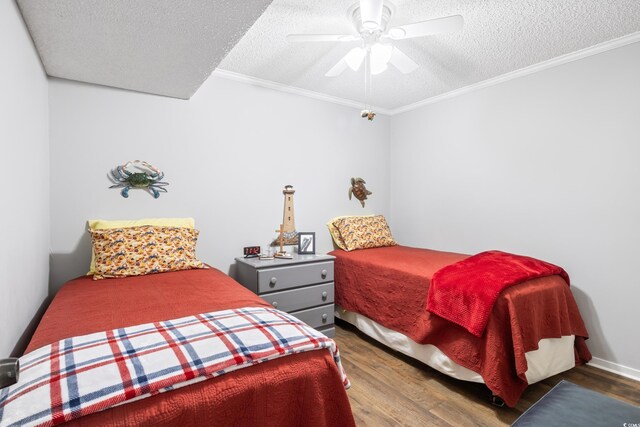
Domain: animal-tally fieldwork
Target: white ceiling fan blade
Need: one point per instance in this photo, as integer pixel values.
(402, 62)
(321, 38)
(371, 13)
(426, 28)
(337, 69)
(353, 59)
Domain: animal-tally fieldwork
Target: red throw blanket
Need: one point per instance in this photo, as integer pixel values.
(465, 292)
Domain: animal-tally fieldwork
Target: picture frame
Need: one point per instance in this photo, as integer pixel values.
(306, 243)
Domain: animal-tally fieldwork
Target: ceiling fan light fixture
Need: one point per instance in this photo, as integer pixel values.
(375, 70)
(380, 56)
(354, 58)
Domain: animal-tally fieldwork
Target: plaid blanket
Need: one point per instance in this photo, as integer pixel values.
(81, 375)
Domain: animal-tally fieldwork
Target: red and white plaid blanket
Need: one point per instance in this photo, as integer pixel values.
(81, 375)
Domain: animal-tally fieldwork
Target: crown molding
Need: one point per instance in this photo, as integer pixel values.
(554, 62)
(230, 75)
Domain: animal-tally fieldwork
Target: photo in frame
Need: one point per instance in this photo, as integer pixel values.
(306, 243)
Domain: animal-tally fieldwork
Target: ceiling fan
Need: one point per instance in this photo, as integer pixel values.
(370, 19)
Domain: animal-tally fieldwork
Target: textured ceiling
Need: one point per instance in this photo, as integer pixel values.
(499, 36)
(164, 47)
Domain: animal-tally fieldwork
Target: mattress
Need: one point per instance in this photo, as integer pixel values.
(554, 355)
(299, 389)
(390, 286)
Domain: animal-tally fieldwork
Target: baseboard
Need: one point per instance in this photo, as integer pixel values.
(616, 368)
(25, 338)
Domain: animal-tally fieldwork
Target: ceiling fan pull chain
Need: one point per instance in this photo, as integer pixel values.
(367, 79)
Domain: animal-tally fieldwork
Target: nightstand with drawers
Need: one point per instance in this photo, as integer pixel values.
(302, 286)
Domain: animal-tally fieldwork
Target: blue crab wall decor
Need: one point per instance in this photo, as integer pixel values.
(138, 174)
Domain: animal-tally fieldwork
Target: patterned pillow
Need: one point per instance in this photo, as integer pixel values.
(358, 232)
(101, 224)
(335, 234)
(134, 251)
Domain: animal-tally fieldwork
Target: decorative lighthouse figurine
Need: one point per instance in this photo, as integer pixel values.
(288, 234)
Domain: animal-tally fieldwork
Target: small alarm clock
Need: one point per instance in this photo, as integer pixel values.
(251, 251)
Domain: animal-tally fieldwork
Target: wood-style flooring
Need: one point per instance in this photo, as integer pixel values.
(390, 389)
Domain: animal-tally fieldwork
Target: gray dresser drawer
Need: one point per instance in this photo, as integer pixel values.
(329, 331)
(316, 317)
(277, 279)
(296, 299)
(302, 286)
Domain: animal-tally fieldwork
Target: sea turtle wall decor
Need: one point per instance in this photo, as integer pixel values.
(359, 190)
(138, 174)
(368, 114)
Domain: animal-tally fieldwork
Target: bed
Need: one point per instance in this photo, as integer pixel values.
(299, 389)
(534, 331)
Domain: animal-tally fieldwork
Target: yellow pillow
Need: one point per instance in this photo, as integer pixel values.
(103, 224)
(135, 251)
(364, 232)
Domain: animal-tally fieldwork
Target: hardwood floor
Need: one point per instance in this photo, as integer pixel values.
(390, 389)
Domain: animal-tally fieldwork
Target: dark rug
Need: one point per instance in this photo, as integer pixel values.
(569, 405)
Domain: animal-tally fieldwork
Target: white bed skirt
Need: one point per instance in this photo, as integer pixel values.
(554, 355)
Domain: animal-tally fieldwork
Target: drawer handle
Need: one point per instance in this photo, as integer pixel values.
(323, 273)
(273, 281)
(324, 296)
(275, 304)
(324, 318)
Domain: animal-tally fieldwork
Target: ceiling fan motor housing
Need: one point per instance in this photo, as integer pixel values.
(353, 14)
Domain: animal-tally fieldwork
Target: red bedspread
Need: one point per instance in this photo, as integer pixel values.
(390, 285)
(464, 293)
(302, 389)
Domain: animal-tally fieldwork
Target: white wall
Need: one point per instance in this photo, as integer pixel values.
(24, 154)
(227, 154)
(545, 165)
